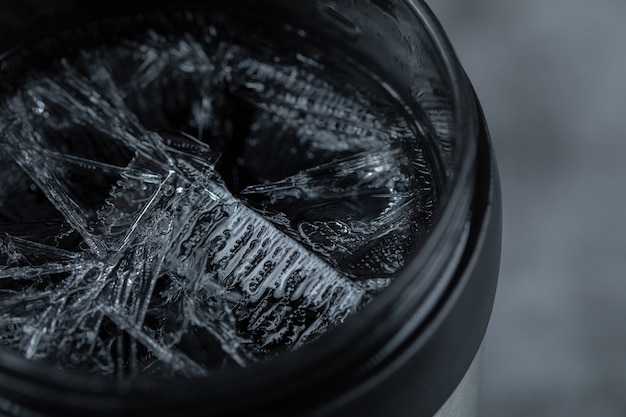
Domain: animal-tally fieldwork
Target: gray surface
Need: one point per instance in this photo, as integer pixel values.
(551, 75)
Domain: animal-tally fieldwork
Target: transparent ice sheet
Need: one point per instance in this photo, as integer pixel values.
(177, 204)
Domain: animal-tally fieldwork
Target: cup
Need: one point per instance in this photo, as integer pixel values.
(415, 349)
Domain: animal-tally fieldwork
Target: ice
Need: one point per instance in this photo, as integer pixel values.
(307, 117)
(176, 203)
(341, 208)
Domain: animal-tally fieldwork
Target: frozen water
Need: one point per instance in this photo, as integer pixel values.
(180, 201)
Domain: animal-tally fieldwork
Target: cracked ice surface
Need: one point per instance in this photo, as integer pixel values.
(123, 250)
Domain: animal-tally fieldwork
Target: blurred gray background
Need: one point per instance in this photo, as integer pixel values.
(551, 75)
